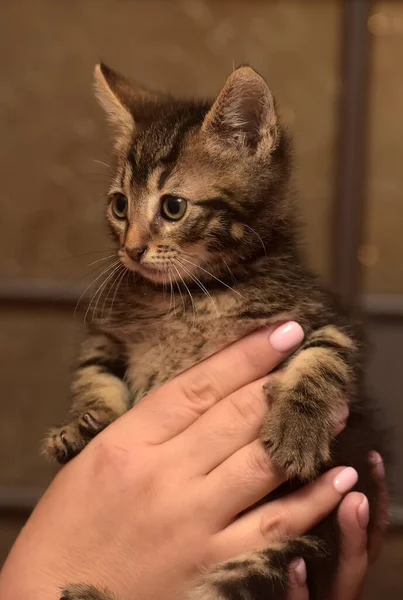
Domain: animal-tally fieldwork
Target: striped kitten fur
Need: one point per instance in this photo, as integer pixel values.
(202, 212)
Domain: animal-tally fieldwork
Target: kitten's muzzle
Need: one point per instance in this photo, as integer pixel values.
(136, 254)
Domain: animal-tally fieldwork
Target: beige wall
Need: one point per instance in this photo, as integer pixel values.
(384, 223)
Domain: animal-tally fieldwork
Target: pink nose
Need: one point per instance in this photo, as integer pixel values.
(136, 253)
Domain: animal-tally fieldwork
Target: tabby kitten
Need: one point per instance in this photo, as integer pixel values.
(200, 199)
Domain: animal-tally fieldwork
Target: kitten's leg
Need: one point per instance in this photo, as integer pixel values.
(306, 398)
(257, 576)
(85, 592)
(100, 396)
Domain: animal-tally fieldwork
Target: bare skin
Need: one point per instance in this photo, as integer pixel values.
(122, 514)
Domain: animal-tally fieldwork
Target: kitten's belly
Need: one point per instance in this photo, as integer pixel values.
(166, 351)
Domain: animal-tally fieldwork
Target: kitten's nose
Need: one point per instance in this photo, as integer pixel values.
(136, 253)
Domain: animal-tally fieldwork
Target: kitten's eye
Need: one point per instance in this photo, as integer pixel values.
(119, 206)
(173, 208)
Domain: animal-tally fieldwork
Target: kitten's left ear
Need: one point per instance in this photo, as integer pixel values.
(243, 115)
(122, 99)
(115, 94)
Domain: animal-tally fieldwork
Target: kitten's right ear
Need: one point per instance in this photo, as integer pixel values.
(243, 115)
(115, 94)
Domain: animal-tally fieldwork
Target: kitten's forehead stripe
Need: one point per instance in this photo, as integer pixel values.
(153, 197)
(162, 178)
(162, 141)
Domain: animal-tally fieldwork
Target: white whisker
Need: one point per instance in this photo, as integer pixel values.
(170, 297)
(229, 270)
(179, 290)
(108, 268)
(189, 292)
(127, 278)
(101, 163)
(257, 235)
(117, 289)
(99, 291)
(94, 262)
(199, 284)
(109, 291)
(73, 256)
(214, 277)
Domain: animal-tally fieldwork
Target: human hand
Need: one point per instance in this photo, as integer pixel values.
(153, 498)
(358, 552)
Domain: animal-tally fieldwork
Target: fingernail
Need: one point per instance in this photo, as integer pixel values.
(298, 569)
(375, 458)
(376, 461)
(363, 513)
(345, 480)
(287, 336)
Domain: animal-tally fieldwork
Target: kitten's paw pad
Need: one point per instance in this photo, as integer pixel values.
(84, 592)
(298, 442)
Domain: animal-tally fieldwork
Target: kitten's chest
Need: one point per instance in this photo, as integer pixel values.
(159, 351)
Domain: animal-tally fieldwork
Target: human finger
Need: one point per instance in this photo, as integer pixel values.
(289, 516)
(230, 425)
(353, 517)
(241, 481)
(380, 519)
(297, 586)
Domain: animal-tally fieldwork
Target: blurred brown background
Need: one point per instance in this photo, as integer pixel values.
(335, 67)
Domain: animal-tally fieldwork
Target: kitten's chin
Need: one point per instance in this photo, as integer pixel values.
(152, 274)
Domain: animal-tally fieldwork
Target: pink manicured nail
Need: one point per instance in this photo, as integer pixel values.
(299, 571)
(287, 336)
(363, 513)
(345, 480)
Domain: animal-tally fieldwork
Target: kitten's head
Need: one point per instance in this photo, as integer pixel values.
(198, 187)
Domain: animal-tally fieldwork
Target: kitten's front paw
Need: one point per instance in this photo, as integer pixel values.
(63, 443)
(296, 434)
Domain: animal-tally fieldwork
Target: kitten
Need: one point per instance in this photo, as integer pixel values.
(200, 198)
